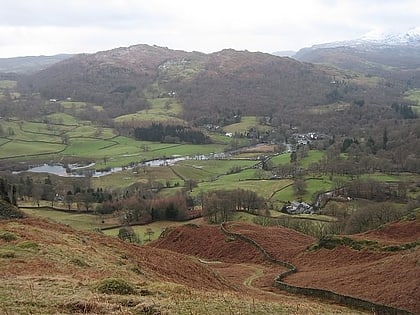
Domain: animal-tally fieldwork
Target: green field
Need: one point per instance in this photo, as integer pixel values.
(80, 221)
(19, 148)
(204, 170)
(247, 122)
(162, 110)
(313, 157)
(281, 159)
(312, 186)
(63, 119)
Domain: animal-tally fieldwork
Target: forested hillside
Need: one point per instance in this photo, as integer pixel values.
(213, 88)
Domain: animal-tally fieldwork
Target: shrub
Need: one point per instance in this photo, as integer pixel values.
(127, 234)
(115, 286)
(28, 245)
(79, 262)
(7, 254)
(8, 236)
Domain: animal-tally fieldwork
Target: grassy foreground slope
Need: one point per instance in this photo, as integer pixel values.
(47, 268)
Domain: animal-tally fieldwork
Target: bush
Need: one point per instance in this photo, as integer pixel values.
(127, 234)
(115, 286)
(8, 236)
(79, 262)
(7, 254)
(28, 245)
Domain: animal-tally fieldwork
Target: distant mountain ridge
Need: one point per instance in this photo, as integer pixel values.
(213, 88)
(375, 54)
(375, 39)
(30, 64)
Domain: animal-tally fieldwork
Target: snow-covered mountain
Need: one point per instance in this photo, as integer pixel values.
(375, 53)
(411, 37)
(376, 39)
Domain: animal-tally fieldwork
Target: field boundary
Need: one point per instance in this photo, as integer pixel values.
(350, 301)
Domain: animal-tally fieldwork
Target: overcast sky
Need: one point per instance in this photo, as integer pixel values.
(47, 27)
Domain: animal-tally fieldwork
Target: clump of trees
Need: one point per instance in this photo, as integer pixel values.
(127, 233)
(170, 134)
(372, 216)
(141, 208)
(219, 205)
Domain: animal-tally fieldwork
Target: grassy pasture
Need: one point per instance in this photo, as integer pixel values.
(80, 221)
(3, 141)
(18, 148)
(219, 138)
(91, 131)
(313, 157)
(162, 110)
(41, 127)
(284, 195)
(247, 122)
(192, 173)
(264, 188)
(115, 181)
(187, 149)
(123, 179)
(63, 118)
(210, 167)
(313, 186)
(86, 147)
(281, 159)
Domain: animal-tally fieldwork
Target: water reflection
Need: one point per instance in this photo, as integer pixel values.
(76, 170)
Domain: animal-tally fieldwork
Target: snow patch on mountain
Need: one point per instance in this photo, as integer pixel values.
(379, 38)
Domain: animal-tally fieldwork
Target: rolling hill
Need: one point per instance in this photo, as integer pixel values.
(48, 268)
(212, 88)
